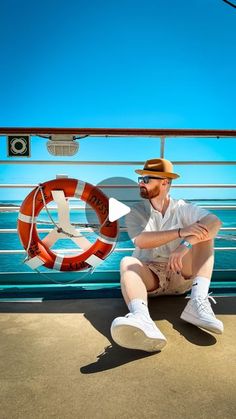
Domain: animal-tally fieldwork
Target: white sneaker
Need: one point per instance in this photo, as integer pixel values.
(136, 332)
(198, 311)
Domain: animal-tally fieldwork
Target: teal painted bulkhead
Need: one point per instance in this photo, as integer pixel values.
(102, 284)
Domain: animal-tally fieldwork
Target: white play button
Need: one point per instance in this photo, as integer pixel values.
(117, 209)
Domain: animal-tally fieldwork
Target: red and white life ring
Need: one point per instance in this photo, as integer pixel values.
(38, 250)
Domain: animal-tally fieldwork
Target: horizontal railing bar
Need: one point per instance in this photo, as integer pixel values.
(105, 271)
(189, 185)
(86, 229)
(18, 185)
(210, 185)
(200, 162)
(121, 132)
(16, 208)
(223, 207)
(111, 163)
(125, 249)
(47, 230)
(18, 251)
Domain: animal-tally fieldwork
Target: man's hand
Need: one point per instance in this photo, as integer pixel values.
(175, 259)
(196, 229)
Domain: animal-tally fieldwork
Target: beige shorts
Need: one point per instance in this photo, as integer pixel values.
(170, 283)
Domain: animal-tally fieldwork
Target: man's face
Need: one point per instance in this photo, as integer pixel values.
(152, 189)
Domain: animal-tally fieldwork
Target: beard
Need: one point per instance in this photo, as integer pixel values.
(144, 193)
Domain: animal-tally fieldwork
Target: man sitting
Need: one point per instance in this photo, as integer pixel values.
(173, 254)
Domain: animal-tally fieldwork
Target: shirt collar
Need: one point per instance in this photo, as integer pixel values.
(167, 213)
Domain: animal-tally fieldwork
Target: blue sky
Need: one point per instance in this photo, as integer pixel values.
(147, 64)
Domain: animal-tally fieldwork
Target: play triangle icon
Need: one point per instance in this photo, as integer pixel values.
(117, 209)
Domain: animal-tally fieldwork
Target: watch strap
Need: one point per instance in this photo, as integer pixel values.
(186, 244)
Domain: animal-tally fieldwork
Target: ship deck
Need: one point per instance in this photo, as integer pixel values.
(58, 361)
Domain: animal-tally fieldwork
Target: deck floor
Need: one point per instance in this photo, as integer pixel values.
(58, 361)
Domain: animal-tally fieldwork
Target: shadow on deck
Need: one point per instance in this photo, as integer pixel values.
(58, 360)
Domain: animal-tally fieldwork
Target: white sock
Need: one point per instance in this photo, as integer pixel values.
(200, 287)
(138, 306)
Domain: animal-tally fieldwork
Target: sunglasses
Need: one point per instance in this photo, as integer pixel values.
(145, 179)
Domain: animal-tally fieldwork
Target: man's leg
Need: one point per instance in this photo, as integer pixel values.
(198, 310)
(199, 261)
(136, 279)
(137, 330)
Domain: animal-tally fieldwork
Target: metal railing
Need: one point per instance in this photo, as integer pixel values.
(122, 132)
(80, 133)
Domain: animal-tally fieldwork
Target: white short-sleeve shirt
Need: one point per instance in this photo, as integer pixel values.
(144, 217)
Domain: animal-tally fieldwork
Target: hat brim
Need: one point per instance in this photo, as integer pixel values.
(157, 174)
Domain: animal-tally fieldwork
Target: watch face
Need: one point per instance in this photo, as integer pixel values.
(187, 244)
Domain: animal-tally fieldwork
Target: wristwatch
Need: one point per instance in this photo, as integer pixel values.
(186, 244)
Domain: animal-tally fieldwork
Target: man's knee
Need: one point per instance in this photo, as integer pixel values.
(129, 262)
(209, 243)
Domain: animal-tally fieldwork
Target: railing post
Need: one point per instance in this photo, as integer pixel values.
(162, 147)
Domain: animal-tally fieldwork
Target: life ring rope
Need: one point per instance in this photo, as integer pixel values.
(39, 252)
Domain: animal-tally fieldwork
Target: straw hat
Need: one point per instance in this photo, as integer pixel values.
(158, 167)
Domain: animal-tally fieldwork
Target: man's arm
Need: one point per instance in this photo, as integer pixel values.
(205, 229)
(213, 224)
(149, 239)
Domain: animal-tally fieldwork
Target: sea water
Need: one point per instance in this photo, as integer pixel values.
(15, 262)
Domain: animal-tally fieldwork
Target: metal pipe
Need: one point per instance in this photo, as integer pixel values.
(121, 132)
(216, 207)
(113, 163)
(86, 229)
(189, 185)
(125, 249)
(47, 230)
(162, 150)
